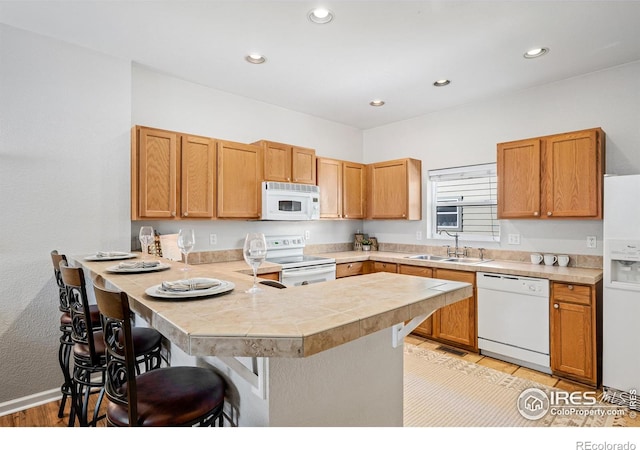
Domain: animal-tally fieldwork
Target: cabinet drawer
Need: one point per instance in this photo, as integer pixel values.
(385, 267)
(456, 275)
(349, 269)
(415, 270)
(270, 276)
(574, 293)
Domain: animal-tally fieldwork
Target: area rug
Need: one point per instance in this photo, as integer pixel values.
(445, 391)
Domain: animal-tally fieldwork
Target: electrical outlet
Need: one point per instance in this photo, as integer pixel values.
(591, 242)
(213, 239)
(514, 239)
(307, 235)
(418, 235)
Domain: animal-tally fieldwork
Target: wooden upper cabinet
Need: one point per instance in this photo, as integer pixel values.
(287, 163)
(574, 172)
(154, 170)
(395, 190)
(198, 180)
(557, 176)
(342, 189)
(330, 182)
(354, 190)
(240, 174)
(519, 178)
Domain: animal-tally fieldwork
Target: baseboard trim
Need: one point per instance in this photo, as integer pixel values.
(30, 401)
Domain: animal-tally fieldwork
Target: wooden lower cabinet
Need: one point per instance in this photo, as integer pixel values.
(353, 268)
(455, 324)
(426, 327)
(575, 327)
(270, 276)
(385, 267)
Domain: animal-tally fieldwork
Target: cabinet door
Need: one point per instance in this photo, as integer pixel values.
(303, 165)
(198, 157)
(330, 183)
(156, 173)
(519, 176)
(277, 162)
(394, 190)
(456, 323)
(239, 180)
(573, 175)
(426, 327)
(571, 340)
(354, 190)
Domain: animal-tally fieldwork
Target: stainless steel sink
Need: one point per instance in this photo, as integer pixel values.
(460, 260)
(429, 257)
(467, 260)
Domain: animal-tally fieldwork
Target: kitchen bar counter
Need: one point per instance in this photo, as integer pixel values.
(326, 354)
(295, 322)
(553, 273)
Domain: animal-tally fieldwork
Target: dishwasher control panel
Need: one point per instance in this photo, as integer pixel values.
(538, 287)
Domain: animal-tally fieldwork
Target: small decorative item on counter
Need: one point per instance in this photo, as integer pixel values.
(357, 244)
(157, 246)
(374, 243)
(366, 245)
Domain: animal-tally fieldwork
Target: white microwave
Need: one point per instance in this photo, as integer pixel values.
(290, 201)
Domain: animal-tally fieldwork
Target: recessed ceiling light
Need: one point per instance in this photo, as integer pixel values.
(376, 102)
(440, 83)
(320, 15)
(536, 52)
(255, 58)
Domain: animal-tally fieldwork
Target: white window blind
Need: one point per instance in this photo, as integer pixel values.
(465, 201)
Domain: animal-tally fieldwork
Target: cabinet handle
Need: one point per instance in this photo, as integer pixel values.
(570, 287)
(350, 266)
(556, 306)
(549, 213)
(536, 213)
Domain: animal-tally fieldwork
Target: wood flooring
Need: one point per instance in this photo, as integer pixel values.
(47, 415)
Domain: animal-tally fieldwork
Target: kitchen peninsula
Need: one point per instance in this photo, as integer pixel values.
(327, 354)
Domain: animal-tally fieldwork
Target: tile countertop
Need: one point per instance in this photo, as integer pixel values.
(554, 273)
(294, 322)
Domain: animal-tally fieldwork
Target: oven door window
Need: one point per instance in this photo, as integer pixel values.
(289, 205)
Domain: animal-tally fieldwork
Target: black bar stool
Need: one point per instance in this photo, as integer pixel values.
(170, 396)
(89, 352)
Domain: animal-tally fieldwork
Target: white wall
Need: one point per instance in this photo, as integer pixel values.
(468, 135)
(65, 115)
(165, 102)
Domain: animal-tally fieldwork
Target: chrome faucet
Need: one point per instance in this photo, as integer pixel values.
(456, 251)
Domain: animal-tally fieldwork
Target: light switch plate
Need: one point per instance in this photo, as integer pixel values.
(514, 239)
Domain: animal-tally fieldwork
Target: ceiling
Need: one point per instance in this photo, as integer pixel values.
(391, 50)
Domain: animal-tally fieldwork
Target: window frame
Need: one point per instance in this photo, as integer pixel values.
(488, 171)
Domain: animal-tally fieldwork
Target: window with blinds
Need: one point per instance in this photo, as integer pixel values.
(465, 201)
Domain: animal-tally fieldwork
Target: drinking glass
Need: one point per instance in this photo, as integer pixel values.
(254, 252)
(146, 237)
(186, 242)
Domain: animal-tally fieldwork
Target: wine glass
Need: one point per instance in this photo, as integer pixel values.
(254, 252)
(186, 242)
(146, 237)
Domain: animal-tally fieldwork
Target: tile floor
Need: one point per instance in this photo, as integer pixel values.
(632, 420)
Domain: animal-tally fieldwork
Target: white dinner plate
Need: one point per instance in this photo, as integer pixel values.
(156, 291)
(117, 269)
(114, 256)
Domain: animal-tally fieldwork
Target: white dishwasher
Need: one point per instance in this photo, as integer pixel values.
(513, 319)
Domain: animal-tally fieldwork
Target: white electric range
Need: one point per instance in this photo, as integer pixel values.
(298, 269)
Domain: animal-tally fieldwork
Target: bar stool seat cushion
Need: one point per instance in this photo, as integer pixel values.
(170, 396)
